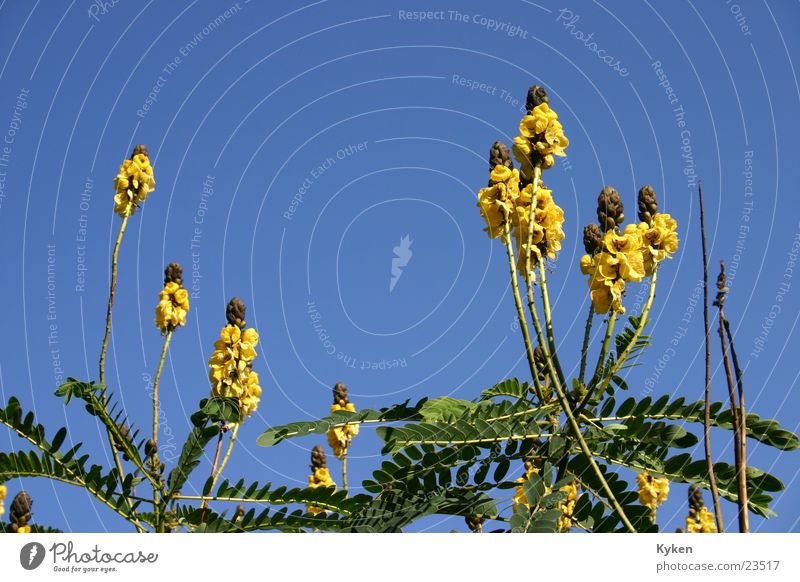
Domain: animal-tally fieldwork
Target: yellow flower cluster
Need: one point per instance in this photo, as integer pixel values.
(653, 491)
(173, 304)
(541, 134)
(497, 201)
(320, 478)
(701, 523)
(503, 201)
(340, 437)
(548, 226)
(3, 493)
(519, 492)
(567, 506)
(231, 364)
(628, 257)
(133, 183)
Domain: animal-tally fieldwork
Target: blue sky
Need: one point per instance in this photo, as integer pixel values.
(295, 146)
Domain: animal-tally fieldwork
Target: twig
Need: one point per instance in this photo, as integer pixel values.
(712, 480)
(204, 505)
(587, 333)
(738, 435)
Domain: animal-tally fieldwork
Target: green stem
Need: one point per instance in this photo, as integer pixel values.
(523, 322)
(227, 456)
(639, 329)
(587, 333)
(104, 348)
(155, 461)
(344, 472)
(548, 320)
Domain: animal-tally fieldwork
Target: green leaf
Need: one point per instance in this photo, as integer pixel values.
(512, 388)
(400, 412)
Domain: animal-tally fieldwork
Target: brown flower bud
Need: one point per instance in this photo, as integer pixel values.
(592, 238)
(20, 512)
(475, 523)
(340, 395)
(500, 156)
(150, 448)
(318, 459)
(235, 312)
(140, 149)
(695, 498)
(610, 210)
(173, 274)
(648, 203)
(536, 96)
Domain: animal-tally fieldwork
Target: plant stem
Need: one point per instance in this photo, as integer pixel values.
(523, 322)
(587, 333)
(227, 456)
(712, 480)
(204, 505)
(344, 472)
(548, 320)
(112, 291)
(155, 461)
(742, 413)
(590, 458)
(104, 348)
(741, 475)
(601, 358)
(639, 329)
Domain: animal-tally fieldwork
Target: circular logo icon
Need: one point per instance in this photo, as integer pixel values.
(31, 555)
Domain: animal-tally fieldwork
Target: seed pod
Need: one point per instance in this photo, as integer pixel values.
(536, 96)
(500, 156)
(150, 448)
(235, 311)
(173, 274)
(318, 459)
(592, 238)
(20, 512)
(648, 204)
(722, 288)
(610, 210)
(340, 396)
(475, 523)
(125, 431)
(695, 498)
(140, 149)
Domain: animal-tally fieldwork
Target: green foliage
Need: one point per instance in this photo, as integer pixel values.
(68, 466)
(400, 412)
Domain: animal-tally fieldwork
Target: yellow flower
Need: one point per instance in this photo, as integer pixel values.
(659, 241)
(519, 497)
(231, 371)
(605, 284)
(3, 493)
(653, 491)
(626, 249)
(133, 183)
(703, 523)
(496, 200)
(548, 224)
(172, 307)
(544, 133)
(320, 478)
(567, 506)
(340, 437)
(25, 529)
